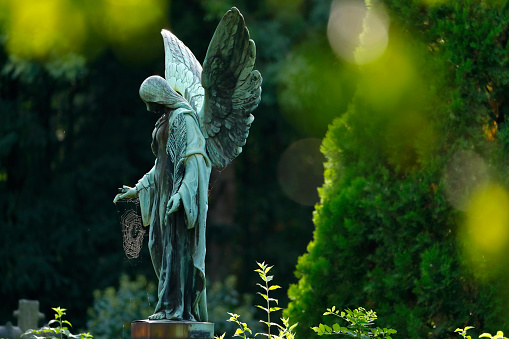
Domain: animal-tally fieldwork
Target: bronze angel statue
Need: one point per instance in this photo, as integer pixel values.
(204, 123)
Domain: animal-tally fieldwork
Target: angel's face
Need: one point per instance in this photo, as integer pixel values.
(155, 107)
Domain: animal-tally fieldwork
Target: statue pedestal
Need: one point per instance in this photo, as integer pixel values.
(168, 329)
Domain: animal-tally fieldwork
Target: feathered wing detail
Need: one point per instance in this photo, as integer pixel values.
(176, 152)
(232, 89)
(183, 71)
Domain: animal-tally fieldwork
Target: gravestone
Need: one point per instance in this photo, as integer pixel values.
(10, 332)
(28, 314)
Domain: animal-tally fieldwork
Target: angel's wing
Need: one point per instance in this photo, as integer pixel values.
(232, 89)
(183, 71)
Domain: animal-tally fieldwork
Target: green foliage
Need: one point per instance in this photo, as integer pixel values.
(359, 321)
(222, 297)
(388, 233)
(266, 287)
(285, 331)
(243, 329)
(59, 331)
(463, 333)
(114, 310)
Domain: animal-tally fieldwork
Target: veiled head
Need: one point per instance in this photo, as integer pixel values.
(156, 90)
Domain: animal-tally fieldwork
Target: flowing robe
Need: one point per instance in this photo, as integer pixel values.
(177, 243)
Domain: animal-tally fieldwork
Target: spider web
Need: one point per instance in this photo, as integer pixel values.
(132, 227)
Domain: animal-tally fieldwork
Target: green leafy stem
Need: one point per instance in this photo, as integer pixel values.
(58, 332)
(359, 322)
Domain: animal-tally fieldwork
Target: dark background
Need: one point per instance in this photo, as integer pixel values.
(73, 130)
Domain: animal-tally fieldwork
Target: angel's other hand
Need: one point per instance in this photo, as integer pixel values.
(126, 192)
(173, 204)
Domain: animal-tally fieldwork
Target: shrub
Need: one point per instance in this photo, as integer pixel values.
(425, 133)
(114, 309)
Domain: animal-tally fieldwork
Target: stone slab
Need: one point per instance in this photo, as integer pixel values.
(28, 314)
(168, 329)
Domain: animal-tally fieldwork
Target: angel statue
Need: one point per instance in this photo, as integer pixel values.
(204, 123)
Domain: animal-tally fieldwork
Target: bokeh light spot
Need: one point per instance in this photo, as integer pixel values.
(300, 171)
(486, 232)
(356, 33)
(37, 28)
(132, 28)
(123, 19)
(374, 38)
(48, 29)
(393, 79)
(466, 172)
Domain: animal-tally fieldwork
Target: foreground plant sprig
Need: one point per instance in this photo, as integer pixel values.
(242, 330)
(263, 271)
(463, 333)
(359, 321)
(48, 332)
(285, 331)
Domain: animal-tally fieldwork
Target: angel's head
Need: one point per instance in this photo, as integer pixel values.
(158, 95)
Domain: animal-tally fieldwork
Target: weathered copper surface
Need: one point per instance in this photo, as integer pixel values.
(205, 117)
(167, 329)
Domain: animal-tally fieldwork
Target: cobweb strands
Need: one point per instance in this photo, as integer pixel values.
(133, 231)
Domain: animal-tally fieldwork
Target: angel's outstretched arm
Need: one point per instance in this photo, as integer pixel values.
(126, 192)
(145, 189)
(146, 182)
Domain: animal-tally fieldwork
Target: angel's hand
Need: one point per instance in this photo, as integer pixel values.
(173, 204)
(126, 192)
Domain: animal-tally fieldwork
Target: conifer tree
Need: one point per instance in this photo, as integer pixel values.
(411, 221)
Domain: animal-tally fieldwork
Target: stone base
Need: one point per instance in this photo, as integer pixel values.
(168, 329)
